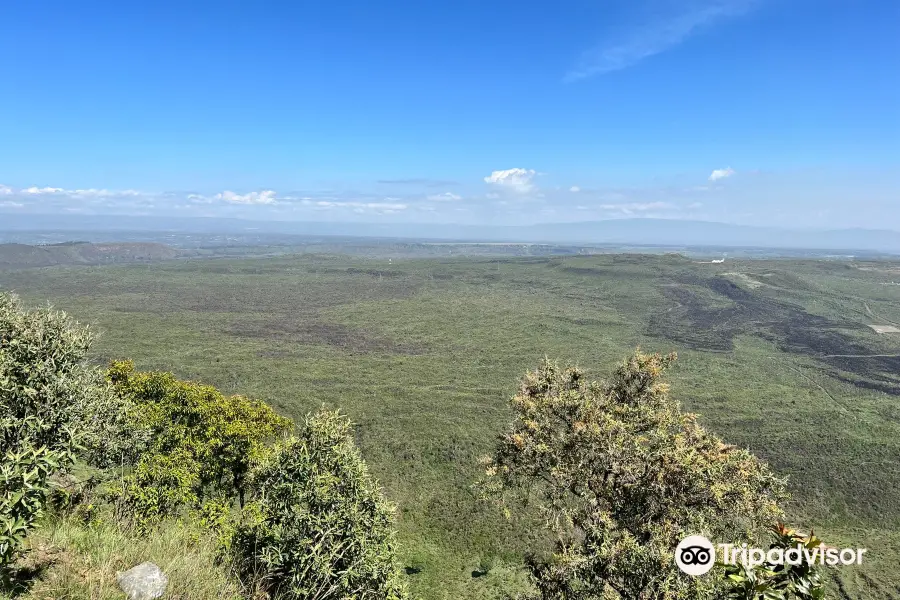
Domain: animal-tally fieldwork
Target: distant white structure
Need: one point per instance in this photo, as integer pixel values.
(717, 261)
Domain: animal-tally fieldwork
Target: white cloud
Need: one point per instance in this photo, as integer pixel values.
(517, 180)
(695, 205)
(36, 191)
(445, 197)
(263, 197)
(631, 207)
(11, 204)
(656, 36)
(94, 193)
(87, 193)
(362, 206)
(574, 189)
(722, 174)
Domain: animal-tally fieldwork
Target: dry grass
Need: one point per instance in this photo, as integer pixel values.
(72, 561)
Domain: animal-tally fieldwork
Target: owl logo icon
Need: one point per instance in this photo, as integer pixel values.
(695, 555)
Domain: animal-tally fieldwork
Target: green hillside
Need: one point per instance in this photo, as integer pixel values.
(82, 253)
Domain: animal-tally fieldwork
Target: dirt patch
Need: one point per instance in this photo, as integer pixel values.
(885, 328)
(745, 279)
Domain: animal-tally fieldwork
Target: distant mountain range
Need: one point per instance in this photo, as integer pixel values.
(661, 232)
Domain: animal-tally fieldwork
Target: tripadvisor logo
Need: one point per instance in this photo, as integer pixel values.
(696, 555)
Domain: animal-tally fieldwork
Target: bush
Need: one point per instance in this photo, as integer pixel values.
(621, 475)
(109, 429)
(221, 435)
(780, 581)
(44, 386)
(159, 486)
(319, 527)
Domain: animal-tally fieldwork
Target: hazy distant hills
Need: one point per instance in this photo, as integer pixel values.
(22, 255)
(618, 231)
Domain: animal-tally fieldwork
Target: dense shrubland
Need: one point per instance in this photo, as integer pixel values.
(166, 459)
(117, 457)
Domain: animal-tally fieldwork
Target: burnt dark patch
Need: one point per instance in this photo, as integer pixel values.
(695, 322)
(582, 322)
(868, 375)
(313, 331)
(710, 322)
(354, 271)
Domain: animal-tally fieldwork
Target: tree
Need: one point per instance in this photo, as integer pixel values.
(319, 527)
(220, 435)
(621, 475)
(45, 387)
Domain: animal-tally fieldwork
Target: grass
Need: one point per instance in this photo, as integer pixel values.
(75, 561)
(423, 355)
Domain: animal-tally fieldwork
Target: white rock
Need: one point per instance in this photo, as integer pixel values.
(146, 581)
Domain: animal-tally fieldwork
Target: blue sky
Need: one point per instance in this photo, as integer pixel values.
(779, 112)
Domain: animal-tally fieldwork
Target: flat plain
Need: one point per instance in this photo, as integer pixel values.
(780, 356)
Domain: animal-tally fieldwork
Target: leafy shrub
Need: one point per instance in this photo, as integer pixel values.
(44, 385)
(221, 435)
(110, 432)
(779, 582)
(319, 527)
(159, 486)
(621, 475)
(214, 515)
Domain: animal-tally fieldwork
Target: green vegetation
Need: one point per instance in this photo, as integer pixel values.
(621, 476)
(70, 559)
(43, 385)
(320, 527)
(202, 441)
(778, 581)
(776, 356)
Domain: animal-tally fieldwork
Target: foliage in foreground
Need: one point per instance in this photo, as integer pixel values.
(779, 582)
(46, 390)
(621, 475)
(201, 444)
(320, 527)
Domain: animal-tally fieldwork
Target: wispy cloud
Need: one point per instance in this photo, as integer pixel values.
(419, 181)
(445, 197)
(721, 174)
(360, 207)
(657, 35)
(637, 207)
(80, 194)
